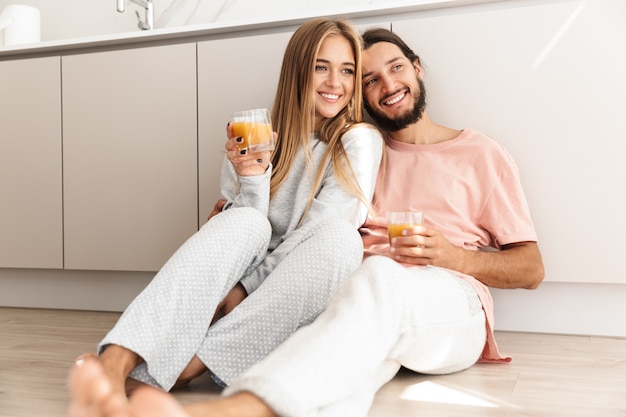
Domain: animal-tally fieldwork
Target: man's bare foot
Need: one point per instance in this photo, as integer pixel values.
(92, 393)
(151, 402)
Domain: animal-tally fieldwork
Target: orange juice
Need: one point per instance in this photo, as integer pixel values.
(253, 134)
(395, 230)
(397, 221)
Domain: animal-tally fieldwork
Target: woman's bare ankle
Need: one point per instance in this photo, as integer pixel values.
(194, 369)
(117, 363)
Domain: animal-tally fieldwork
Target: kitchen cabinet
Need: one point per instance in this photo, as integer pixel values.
(234, 74)
(130, 183)
(30, 164)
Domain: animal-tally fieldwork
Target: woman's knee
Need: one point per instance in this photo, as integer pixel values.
(240, 221)
(320, 263)
(339, 241)
(241, 215)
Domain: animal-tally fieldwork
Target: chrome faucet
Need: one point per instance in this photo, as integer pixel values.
(146, 24)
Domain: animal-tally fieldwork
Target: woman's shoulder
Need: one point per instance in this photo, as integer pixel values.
(362, 130)
(363, 139)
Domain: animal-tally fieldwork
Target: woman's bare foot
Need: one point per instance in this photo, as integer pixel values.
(92, 393)
(98, 385)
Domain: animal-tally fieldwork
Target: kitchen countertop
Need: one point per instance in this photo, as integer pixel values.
(163, 34)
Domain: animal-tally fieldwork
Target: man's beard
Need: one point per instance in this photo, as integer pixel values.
(389, 124)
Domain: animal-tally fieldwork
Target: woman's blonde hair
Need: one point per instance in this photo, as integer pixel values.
(293, 114)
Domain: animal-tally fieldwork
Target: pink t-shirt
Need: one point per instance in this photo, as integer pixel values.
(475, 200)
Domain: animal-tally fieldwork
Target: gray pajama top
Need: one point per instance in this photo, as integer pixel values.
(363, 145)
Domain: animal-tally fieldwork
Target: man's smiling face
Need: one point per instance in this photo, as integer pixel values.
(393, 90)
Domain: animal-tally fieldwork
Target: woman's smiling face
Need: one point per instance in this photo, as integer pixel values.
(334, 78)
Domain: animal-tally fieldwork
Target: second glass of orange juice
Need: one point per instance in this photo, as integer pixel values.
(397, 221)
(255, 127)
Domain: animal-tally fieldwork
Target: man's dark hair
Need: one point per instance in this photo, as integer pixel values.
(374, 36)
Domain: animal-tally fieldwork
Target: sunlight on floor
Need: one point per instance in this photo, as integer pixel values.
(429, 391)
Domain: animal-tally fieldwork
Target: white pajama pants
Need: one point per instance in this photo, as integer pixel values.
(383, 317)
(168, 322)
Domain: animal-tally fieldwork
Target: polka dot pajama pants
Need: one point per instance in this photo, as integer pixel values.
(168, 322)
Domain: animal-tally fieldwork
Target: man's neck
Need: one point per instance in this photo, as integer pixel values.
(424, 132)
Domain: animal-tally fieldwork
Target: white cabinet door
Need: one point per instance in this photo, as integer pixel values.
(233, 74)
(130, 156)
(30, 164)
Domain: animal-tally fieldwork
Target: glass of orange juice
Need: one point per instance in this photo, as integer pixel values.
(397, 221)
(255, 127)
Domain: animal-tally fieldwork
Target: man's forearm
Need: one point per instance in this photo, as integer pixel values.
(517, 265)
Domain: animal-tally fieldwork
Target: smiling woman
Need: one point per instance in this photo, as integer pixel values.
(282, 243)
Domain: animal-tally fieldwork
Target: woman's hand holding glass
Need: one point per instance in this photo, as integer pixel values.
(246, 162)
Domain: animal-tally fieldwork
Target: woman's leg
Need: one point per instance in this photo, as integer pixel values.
(166, 323)
(292, 296)
(359, 342)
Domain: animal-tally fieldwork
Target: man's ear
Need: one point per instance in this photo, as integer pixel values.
(418, 68)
